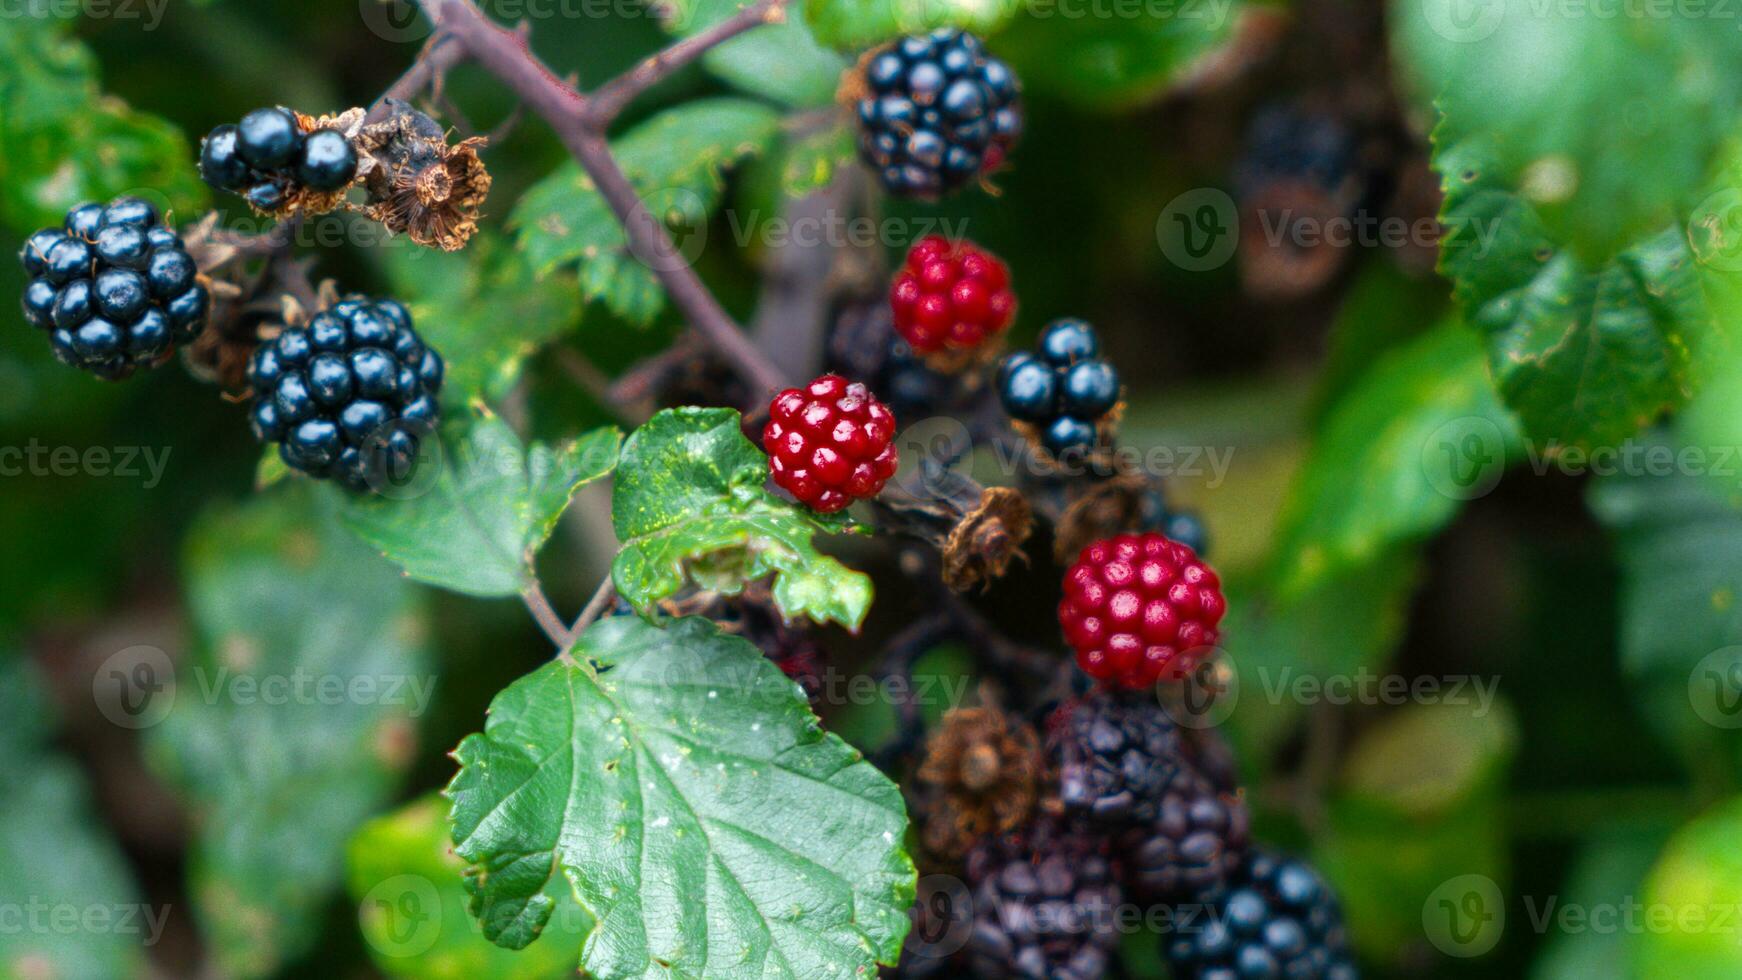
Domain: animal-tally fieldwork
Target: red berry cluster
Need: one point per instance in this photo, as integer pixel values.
(1140, 607)
(951, 297)
(830, 443)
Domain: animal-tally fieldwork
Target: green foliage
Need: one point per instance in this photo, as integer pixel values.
(676, 161)
(780, 61)
(1698, 880)
(294, 718)
(1420, 803)
(862, 23)
(477, 524)
(670, 780)
(1113, 60)
(690, 504)
(63, 142)
(412, 906)
(55, 862)
(1608, 874)
(484, 309)
(1679, 546)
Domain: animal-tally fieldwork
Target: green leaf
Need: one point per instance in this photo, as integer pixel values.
(1610, 869)
(811, 161)
(1418, 434)
(1699, 881)
(676, 784)
(412, 906)
(1113, 62)
(294, 718)
(862, 23)
(1679, 546)
(484, 310)
(780, 61)
(492, 504)
(1419, 804)
(690, 504)
(54, 860)
(1570, 169)
(676, 162)
(63, 142)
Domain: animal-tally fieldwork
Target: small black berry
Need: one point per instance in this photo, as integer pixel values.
(1065, 342)
(1028, 388)
(266, 139)
(39, 302)
(34, 254)
(123, 246)
(1067, 434)
(74, 304)
(221, 165)
(69, 259)
(327, 161)
(120, 294)
(1090, 389)
(268, 196)
(85, 221)
(169, 272)
(129, 212)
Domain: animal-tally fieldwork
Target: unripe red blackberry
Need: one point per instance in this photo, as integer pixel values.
(1139, 608)
(830, 443)
(951, 297)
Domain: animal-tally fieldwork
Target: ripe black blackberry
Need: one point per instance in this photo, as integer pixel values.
(350, 395)
(1117, 753)
(1279, 918)
(273, 155)
(939, 112)
(114, 288)
(1065, 394)
(1044, 905)
(1192, 847)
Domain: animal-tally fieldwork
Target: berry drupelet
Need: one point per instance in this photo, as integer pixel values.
(1140, 608)
(268, 157)
(950, 297)
(1192, 845)
(1116, 755)
(114, 288)
(1063, 389)
(348, 396)
(830, 443)
(1278, 918)
(938, 113)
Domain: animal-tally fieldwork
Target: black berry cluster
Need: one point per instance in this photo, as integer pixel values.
(267, 157)
(939, 113)
(1063, 389)
(1044, 905)
(348, 396)
(1191, 844)
(1117, 756)
(114, 287)
(1279, 918)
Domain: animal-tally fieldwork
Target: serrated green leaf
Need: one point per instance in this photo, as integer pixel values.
(413, 907)
(862, 23)
(484, 310)
(674, 781)
(676, 161)
(780, 61)
(293, 719)
(1418, 434)
(1113, 62)
(690, 504)
(54, 859)
(1570, 168)
(1698, 880)
(476, 526)
(63, 142)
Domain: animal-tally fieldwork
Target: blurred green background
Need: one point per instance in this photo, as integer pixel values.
(1599, 608)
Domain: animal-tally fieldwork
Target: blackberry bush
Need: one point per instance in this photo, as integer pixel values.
(113, 287)
(939, 113)
(349, 395)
